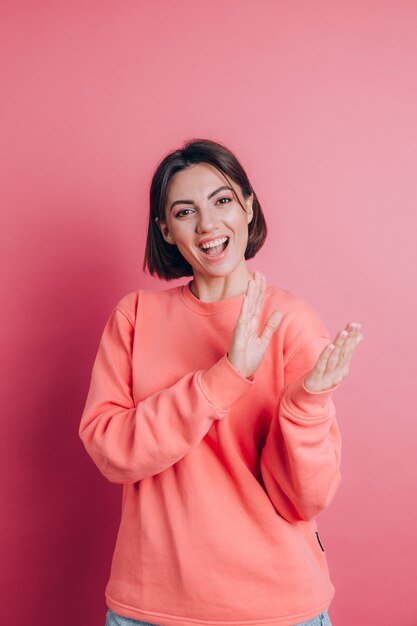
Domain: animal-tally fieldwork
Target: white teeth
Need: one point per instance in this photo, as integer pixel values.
(215, 242)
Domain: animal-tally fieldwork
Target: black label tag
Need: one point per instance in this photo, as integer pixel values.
(318, 539)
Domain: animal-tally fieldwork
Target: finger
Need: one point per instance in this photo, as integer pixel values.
(350, 345)
(344, 339)
(252, 297)
(321, 363)
(251, 321)
(339, 357)
(345, 354)
(259, 301)
(270, 327)
(339, 346)
(258, 291)
(263, 284)
(244, 310)
(352, 326)
(333, 359)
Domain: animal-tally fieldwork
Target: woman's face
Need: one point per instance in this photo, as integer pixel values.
(199, 212)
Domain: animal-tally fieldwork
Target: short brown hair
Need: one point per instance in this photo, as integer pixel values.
(164, 259)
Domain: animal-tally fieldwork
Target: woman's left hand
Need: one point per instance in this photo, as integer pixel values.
(333, 363)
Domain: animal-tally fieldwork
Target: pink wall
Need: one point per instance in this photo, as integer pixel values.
(319, 100)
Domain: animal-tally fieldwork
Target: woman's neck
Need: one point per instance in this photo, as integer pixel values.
(220, 287)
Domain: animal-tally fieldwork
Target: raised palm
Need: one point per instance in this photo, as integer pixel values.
(333, 363)
(247, 348)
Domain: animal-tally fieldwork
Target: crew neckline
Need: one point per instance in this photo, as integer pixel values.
(208, 308)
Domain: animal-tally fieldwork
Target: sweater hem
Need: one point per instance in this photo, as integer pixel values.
(163, 619)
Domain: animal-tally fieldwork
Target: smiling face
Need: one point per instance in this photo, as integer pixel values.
(205, 220)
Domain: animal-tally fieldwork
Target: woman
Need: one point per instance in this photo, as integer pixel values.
(210, 402)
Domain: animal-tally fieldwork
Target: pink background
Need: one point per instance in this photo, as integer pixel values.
(318, 99)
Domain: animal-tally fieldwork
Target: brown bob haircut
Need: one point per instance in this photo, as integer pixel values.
(164, 259)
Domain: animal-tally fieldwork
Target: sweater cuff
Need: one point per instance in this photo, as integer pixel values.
(310, 404)
(222, 384)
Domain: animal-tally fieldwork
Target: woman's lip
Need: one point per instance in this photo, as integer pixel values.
(218, 256)
(208, 239)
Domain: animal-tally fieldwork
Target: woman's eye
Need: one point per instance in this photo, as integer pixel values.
(179, 214)
(184, 211)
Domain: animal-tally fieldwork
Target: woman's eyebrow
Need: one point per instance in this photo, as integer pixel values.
(208, 197)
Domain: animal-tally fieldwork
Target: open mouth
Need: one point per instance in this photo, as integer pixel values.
(215, 247)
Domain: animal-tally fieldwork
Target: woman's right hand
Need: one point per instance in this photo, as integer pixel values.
(246, 348)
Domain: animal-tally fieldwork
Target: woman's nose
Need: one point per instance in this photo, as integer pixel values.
(206, 221)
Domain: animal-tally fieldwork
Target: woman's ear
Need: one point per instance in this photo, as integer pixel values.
(249, 207)
(164, 231)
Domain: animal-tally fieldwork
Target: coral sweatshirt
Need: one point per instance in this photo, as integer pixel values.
(223, 476)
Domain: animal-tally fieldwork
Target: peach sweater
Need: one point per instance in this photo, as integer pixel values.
(222, 476)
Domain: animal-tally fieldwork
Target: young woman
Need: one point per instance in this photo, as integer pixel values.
(210, 402)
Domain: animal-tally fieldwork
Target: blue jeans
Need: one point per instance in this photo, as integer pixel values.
(113, 619)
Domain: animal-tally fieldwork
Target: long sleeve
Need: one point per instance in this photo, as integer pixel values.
(300, 462)
(128, 442)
